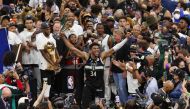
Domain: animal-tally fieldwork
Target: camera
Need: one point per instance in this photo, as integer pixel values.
(162, 101)
(63, 100)
(25, 74)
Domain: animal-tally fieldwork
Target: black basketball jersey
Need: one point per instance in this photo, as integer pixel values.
(94, 72)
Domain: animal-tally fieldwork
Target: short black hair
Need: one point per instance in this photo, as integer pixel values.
(50, 3)
(180, 73)
(29, 17)
(148, 72)
(131, 104)
(43, 105)
(94, 44)
(99, 24)
(22, 106)
(186, 19)
(9, 58)
(123, 17)
(5, 18)
(96, 9)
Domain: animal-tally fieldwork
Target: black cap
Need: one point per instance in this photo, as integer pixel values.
(29, 17)
(45, 25)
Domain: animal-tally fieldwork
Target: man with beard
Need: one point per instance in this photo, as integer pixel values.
(159, 10)
(73, 5)
(94, 69)
(49, 58)
(71, 27)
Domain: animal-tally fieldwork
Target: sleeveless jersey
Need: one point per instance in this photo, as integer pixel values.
(94, 72)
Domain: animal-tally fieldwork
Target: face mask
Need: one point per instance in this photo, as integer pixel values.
(176, 16)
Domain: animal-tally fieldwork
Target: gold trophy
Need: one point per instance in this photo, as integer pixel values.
(50, 49)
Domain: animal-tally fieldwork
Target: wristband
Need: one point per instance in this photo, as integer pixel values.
(119, 45)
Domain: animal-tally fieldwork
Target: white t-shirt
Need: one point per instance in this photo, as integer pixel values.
(154, 50)
(13, 38)
(41, 42)
(132, 83)
(55, 9)
(75, 29)
(32, 57)
(151, 88)
(35, 3)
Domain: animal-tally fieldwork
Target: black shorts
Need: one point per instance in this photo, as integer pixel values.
(90, 92)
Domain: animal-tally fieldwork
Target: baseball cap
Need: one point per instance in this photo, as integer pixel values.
(110, 18)
(27, 17)
(45, 25)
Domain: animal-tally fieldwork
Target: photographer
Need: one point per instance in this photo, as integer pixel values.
(10, 71)
(161, 98)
